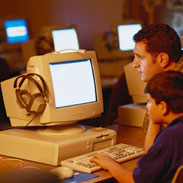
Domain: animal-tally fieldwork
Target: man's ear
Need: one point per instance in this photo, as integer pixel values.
(163, 59)
(164, 108)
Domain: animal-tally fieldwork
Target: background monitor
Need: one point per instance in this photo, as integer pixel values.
(181, 40)
(117, 42)
(74, 90)
(65, 39)
(57, 37)
(135, 85)
(16, 31)
(125, 35)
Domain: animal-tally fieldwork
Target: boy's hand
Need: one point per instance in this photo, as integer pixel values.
(120, 173)
(103, 160)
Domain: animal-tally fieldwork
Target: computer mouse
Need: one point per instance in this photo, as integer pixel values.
(63, 172)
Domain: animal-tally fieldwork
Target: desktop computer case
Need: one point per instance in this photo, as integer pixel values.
(30, 145)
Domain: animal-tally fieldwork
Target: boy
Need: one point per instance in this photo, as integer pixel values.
(165, 106)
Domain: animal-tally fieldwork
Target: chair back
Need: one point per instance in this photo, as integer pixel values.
(178, 177)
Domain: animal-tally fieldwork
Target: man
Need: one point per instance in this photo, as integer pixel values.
(165, 106)
(157, 49)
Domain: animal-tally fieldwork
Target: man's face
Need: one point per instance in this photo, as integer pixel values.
(144, 62)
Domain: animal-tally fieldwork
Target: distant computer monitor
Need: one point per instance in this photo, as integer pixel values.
(16, 31)
(73, 85)
(125, 35)
(65, 39)
(117, 42)
(181, 40)
(135, 85)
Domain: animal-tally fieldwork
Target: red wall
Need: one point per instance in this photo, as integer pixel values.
(90, 16)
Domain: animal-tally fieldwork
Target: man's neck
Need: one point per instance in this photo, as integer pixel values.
(172, 66)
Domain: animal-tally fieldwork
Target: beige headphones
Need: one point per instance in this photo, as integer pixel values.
(33, 103)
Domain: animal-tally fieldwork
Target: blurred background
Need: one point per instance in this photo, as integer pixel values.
(95, 22)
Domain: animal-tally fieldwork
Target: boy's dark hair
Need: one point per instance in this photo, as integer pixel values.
(160, 38)
(167, 86)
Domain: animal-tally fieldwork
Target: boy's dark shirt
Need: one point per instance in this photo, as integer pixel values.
(164, 157)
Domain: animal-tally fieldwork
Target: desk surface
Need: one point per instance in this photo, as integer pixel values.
(129, 135)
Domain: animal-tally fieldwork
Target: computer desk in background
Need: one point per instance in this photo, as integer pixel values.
(130, 135)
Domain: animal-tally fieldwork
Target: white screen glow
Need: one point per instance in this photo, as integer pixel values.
(73, 83)
(65, 39)
(125, 35)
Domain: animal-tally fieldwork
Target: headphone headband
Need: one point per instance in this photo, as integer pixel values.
(33, 103)
(29, 76)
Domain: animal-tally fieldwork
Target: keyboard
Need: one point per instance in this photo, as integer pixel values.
(119, 152)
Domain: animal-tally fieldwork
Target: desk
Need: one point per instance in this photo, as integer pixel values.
(130, 135)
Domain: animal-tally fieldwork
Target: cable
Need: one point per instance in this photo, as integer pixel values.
(31, 120)
(10, 127)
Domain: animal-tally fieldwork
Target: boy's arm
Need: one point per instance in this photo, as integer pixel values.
(152, 132)
(120, 173)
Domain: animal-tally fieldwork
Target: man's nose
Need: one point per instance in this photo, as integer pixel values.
(136, 62)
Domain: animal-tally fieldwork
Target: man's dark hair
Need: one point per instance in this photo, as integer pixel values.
(167, 86)
(160, 38)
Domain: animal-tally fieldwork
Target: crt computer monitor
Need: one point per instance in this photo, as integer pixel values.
(181, 40)
(16, 31)
(66, 38)
(134, 83)
(125, 35)
(74, 89)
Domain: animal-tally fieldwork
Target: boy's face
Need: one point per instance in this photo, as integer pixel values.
(144, 62)
(154, 110)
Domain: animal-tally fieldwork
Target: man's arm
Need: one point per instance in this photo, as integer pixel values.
(152, 132)
(120, 173)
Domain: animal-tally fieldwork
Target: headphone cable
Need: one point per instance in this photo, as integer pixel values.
(30, 120)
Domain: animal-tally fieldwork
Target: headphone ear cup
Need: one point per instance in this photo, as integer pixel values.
(23, 97)
(36, 104)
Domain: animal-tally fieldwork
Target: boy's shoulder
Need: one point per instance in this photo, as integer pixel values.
(174, 129)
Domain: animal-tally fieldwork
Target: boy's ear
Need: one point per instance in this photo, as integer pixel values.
(163, 59)
(164, 108)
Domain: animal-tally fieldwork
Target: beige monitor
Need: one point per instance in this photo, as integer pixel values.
(73, 84)
(135, 85)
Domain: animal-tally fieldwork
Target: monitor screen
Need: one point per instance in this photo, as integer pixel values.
(74, 89)
(16, 31)
(65, 39)
(125, 35)
(83, 83)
